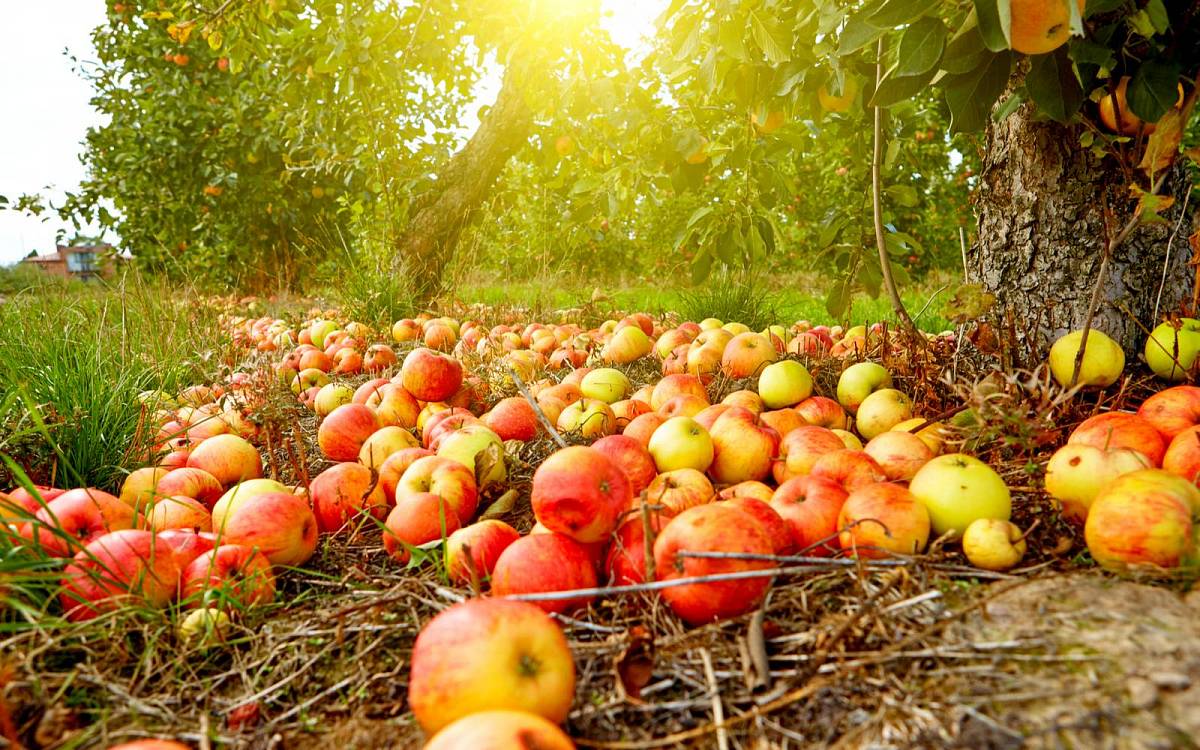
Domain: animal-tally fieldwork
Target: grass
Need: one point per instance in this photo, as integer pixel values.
(74, 362)
(799, 297)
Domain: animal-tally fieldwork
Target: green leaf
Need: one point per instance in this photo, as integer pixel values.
(897, 88)
(1154, 89)
(1087, 52)
(701, 266)
(773, 38)
(1009, 105)
(995, 23)
(698, 214)
(1157, 13)
(1052, 85)
(897, 12)
(970, 96)
(1097, 7)
(893, 151)
(838, 298)
(966, 49)
(921, 47)
(905, 195)
(858, 33)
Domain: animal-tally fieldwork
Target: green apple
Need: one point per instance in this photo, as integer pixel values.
(331, 396)
(1172, 351)
(783, 384)
(859, 381)
(958, 489)
(736, 328)
(465, 445)
(320, 330)
(607, 384)
(992, 544)
(1077, 474)
(881, 411)
(1103, 361)
(681, 443)
(710, 323)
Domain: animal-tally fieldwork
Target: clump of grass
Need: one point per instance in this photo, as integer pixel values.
(732, 297)
(77, 358)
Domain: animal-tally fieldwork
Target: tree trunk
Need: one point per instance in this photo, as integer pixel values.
(1042, 232)
(428, 243)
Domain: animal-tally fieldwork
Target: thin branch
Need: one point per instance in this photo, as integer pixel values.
(885, 265)
(541, 415)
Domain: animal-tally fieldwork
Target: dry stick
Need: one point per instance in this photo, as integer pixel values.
(756, 642)
(715, 693)
(885, 265)
(304, 460)
(541, 415)
(1109, 247)
(1162, 283)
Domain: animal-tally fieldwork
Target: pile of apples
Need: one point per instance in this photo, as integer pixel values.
(664, 485)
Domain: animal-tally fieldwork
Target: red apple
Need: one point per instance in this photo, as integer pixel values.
(141, 486)
(229, 458)
(678, 490)
(430, 375)
(1173, 410)
(383, 443)
(684, 405)
(632, 457)
(369, 389)
(187, 545)
(119, 567)
(379, 357)
(501, 730)
(800, 449)
(777, 530)
(1145, 521)
(342, 433)
(191, 482)
(487, 654)
(628, 410)
(395, 407)
(746, 355)
(542, 563)
(899, 454)
(513, 419)
(476, 548)
(642, 427)
(418, 518)
(580, 492)
(344, 492)
(742, 448)
(810, 506)
(395, 466)
(1183, 455)
(625, 559)
(852, 469)
(749, 488)
(179, 512)
(712, 528)
(278, 524)
(445, 478)
(783, 421)
(881, 518)
(74, 519)
(230, 576)
(1116, 429)
(676, 385)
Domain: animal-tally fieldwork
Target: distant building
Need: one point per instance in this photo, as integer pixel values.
(79, 261)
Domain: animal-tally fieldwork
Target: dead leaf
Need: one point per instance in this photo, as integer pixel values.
(635, 666)
(1163, 144)
(970, 301)
(984, 337)
(501, 506)
(486, 461)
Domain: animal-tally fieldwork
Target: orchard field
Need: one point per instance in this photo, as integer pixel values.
(531, 374)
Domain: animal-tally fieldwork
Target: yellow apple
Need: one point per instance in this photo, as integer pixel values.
(958, 489)
(859, 381)
(783, 384)
(992, 544)
(881, 411)
(681, 443)
(1103, 361)
(1076, 474)
(1170, 351)
(606, 384)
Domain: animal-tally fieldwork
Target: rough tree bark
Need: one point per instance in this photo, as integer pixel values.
(1042, 232)
(428, 243)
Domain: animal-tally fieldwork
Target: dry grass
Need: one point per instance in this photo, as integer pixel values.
(842, 654)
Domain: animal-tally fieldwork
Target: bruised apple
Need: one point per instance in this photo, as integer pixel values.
(712, 528)
(580, 492)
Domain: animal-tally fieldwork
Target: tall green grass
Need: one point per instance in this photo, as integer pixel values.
(74, 359)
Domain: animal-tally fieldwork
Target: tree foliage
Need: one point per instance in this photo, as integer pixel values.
(249, 134)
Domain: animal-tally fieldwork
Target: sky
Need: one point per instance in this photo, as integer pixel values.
(46, 110)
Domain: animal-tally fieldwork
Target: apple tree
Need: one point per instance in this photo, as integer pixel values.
(1076, 114)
